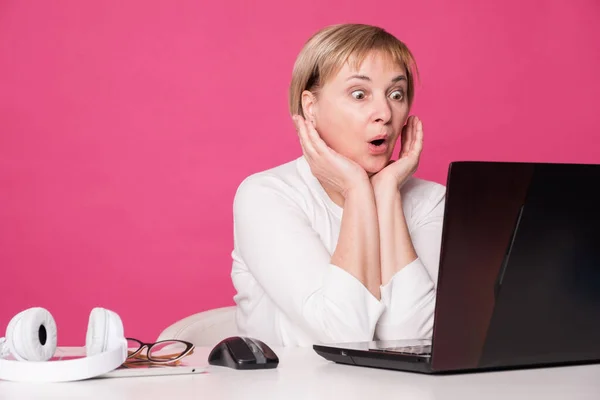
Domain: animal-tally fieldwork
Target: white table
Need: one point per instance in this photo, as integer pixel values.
(302, 374)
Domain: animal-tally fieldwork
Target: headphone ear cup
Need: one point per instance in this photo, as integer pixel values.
(31, 335)
(105, 331)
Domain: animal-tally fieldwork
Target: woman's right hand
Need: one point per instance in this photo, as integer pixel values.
(333, 170)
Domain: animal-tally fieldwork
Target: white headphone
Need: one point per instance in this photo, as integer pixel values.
(31, 339)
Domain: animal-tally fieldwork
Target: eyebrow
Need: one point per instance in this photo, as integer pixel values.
(366, 78)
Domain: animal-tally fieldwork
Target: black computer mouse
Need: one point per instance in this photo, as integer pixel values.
(241, 352)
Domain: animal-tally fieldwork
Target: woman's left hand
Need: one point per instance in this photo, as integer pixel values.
(397, 172)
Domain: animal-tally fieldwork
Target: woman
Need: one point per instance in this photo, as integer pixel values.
(342, 244)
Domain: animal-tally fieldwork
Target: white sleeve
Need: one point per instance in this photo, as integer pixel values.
(409, 296)
(285, 255)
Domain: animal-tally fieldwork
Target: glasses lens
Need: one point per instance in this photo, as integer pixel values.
(132, 344)
(169, 349)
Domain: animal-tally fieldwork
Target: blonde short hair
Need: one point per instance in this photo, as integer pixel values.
(329, 49)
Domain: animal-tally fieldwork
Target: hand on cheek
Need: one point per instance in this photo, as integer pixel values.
(411, 141)
(333, 170)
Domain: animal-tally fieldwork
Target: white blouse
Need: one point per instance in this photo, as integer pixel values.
(289, 294)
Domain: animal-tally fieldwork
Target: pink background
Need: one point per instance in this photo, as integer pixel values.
(126, 126)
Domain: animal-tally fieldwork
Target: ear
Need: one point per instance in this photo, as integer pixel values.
(309, 101)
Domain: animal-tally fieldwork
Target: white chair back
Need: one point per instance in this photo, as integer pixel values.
(206, 328)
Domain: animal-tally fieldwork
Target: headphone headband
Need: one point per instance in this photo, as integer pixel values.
(31, 340)
(64, 370)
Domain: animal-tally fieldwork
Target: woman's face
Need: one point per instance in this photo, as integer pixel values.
(360, 113)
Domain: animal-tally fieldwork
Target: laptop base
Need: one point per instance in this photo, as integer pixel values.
(416, 364)
(375, 358)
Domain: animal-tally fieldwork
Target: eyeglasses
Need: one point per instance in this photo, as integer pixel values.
(161, 352)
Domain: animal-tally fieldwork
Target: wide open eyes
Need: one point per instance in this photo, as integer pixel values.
(396, 95)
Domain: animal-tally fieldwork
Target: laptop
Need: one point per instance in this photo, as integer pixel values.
(519, 274)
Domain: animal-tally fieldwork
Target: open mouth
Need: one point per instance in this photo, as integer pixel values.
(377, 142)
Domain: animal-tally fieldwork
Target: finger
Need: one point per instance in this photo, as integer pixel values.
(321, 147)
(319, 144)
(414, 135)
(304, 138)
(403, 134)
(305, 142)
(304, 151)
(408, 134)
(418, 146)
(297, 127)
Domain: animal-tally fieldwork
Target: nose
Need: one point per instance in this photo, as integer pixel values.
(382, 112)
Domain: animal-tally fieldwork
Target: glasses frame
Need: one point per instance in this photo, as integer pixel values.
(135, 356)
